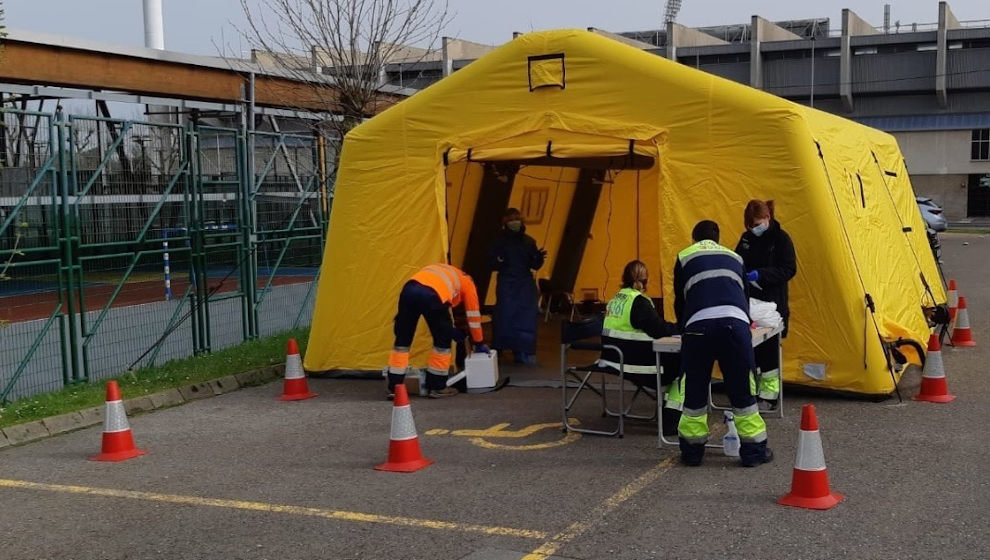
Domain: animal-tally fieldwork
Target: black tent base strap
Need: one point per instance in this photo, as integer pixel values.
(373, 375)
(346, 374)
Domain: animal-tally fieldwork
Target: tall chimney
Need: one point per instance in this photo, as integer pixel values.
(154, 26)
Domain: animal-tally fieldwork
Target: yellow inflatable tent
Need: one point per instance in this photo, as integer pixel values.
(612, 154)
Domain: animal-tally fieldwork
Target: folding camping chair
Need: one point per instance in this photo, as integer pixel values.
(581, 335)
(548, 293)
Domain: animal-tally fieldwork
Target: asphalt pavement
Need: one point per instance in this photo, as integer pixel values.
(244, 476)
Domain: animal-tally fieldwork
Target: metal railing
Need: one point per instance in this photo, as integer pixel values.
(124, 244)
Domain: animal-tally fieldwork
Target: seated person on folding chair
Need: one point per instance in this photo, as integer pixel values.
(631, 324)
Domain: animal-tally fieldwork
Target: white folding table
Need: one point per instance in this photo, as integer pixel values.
(672, 345)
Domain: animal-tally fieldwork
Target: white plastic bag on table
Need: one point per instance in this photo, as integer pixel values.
(764, 313)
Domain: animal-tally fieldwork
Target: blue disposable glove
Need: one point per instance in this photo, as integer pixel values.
(481, 348)
(753, 276)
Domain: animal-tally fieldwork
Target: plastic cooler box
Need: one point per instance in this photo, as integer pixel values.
(482, 370)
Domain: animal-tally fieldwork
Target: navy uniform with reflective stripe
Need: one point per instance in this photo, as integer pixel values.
(712, 307)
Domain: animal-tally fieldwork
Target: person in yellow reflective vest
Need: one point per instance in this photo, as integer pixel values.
(430, 294)
(712, 307)
(631, 324)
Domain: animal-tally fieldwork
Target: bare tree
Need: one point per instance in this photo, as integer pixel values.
(349, 40)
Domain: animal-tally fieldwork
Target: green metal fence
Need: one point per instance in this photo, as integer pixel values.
(124, 244)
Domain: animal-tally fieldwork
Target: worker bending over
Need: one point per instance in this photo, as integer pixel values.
(631, 324)
(712, 307)
(431, 293)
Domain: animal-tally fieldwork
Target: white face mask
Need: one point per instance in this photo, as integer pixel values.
(514, 225)
(760, 228)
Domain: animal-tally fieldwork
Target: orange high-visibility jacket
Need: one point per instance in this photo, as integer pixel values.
(454, 286)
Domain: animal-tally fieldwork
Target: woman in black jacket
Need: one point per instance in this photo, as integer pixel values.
(768, 255)
(515, 255)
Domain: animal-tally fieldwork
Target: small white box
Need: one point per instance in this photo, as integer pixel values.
(482, 370)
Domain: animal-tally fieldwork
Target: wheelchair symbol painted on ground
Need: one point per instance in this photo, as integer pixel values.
(501, 432)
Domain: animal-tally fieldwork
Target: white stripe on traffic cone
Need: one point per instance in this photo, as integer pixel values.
(809, 482)
(934, 387)
(118, 441)
(295, 387)
(962, 335)
(404, 454)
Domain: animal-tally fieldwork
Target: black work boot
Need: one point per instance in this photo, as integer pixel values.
(393, 380)
(754, 454)
(436, 386)
(692, 454)
(766, 405)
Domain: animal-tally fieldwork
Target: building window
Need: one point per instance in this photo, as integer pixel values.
(981, 145)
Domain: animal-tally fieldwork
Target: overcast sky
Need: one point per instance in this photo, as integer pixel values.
(197, 26)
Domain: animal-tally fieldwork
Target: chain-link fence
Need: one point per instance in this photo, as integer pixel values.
(125, 244)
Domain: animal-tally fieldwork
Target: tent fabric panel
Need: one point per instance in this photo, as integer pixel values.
(385, 224)
(884, 258)
(463, 184)
(626, 227)
(898, 180)
(721, 144)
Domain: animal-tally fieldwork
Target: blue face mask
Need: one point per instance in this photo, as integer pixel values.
(760, 229)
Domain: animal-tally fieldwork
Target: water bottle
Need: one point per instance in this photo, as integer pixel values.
(730, 441)
(422, 383)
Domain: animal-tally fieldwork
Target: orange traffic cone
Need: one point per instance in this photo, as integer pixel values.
(961, 334)
(809, 484)
(953, 300)
(118, 442)
(295, 387)
(403, 447)
(933, 385)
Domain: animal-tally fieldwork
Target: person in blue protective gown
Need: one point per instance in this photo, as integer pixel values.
(514, 255)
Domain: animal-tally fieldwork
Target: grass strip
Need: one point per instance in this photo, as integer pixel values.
(145, 381)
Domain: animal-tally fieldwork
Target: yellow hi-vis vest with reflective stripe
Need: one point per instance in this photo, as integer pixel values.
(636, 345)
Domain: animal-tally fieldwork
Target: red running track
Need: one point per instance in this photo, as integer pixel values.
(30, 307)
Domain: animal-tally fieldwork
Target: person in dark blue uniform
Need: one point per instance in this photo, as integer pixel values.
(514, 256)
(712, 307)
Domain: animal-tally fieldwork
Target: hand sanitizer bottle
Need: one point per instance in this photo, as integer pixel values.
(730, 441)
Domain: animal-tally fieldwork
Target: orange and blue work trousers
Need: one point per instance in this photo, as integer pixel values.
(415, 301)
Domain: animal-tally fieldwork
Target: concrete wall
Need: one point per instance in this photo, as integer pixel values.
(458, 49)
(854, 25)
(940, 167)
(948, 191)
(622, 39)
(940, 152)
